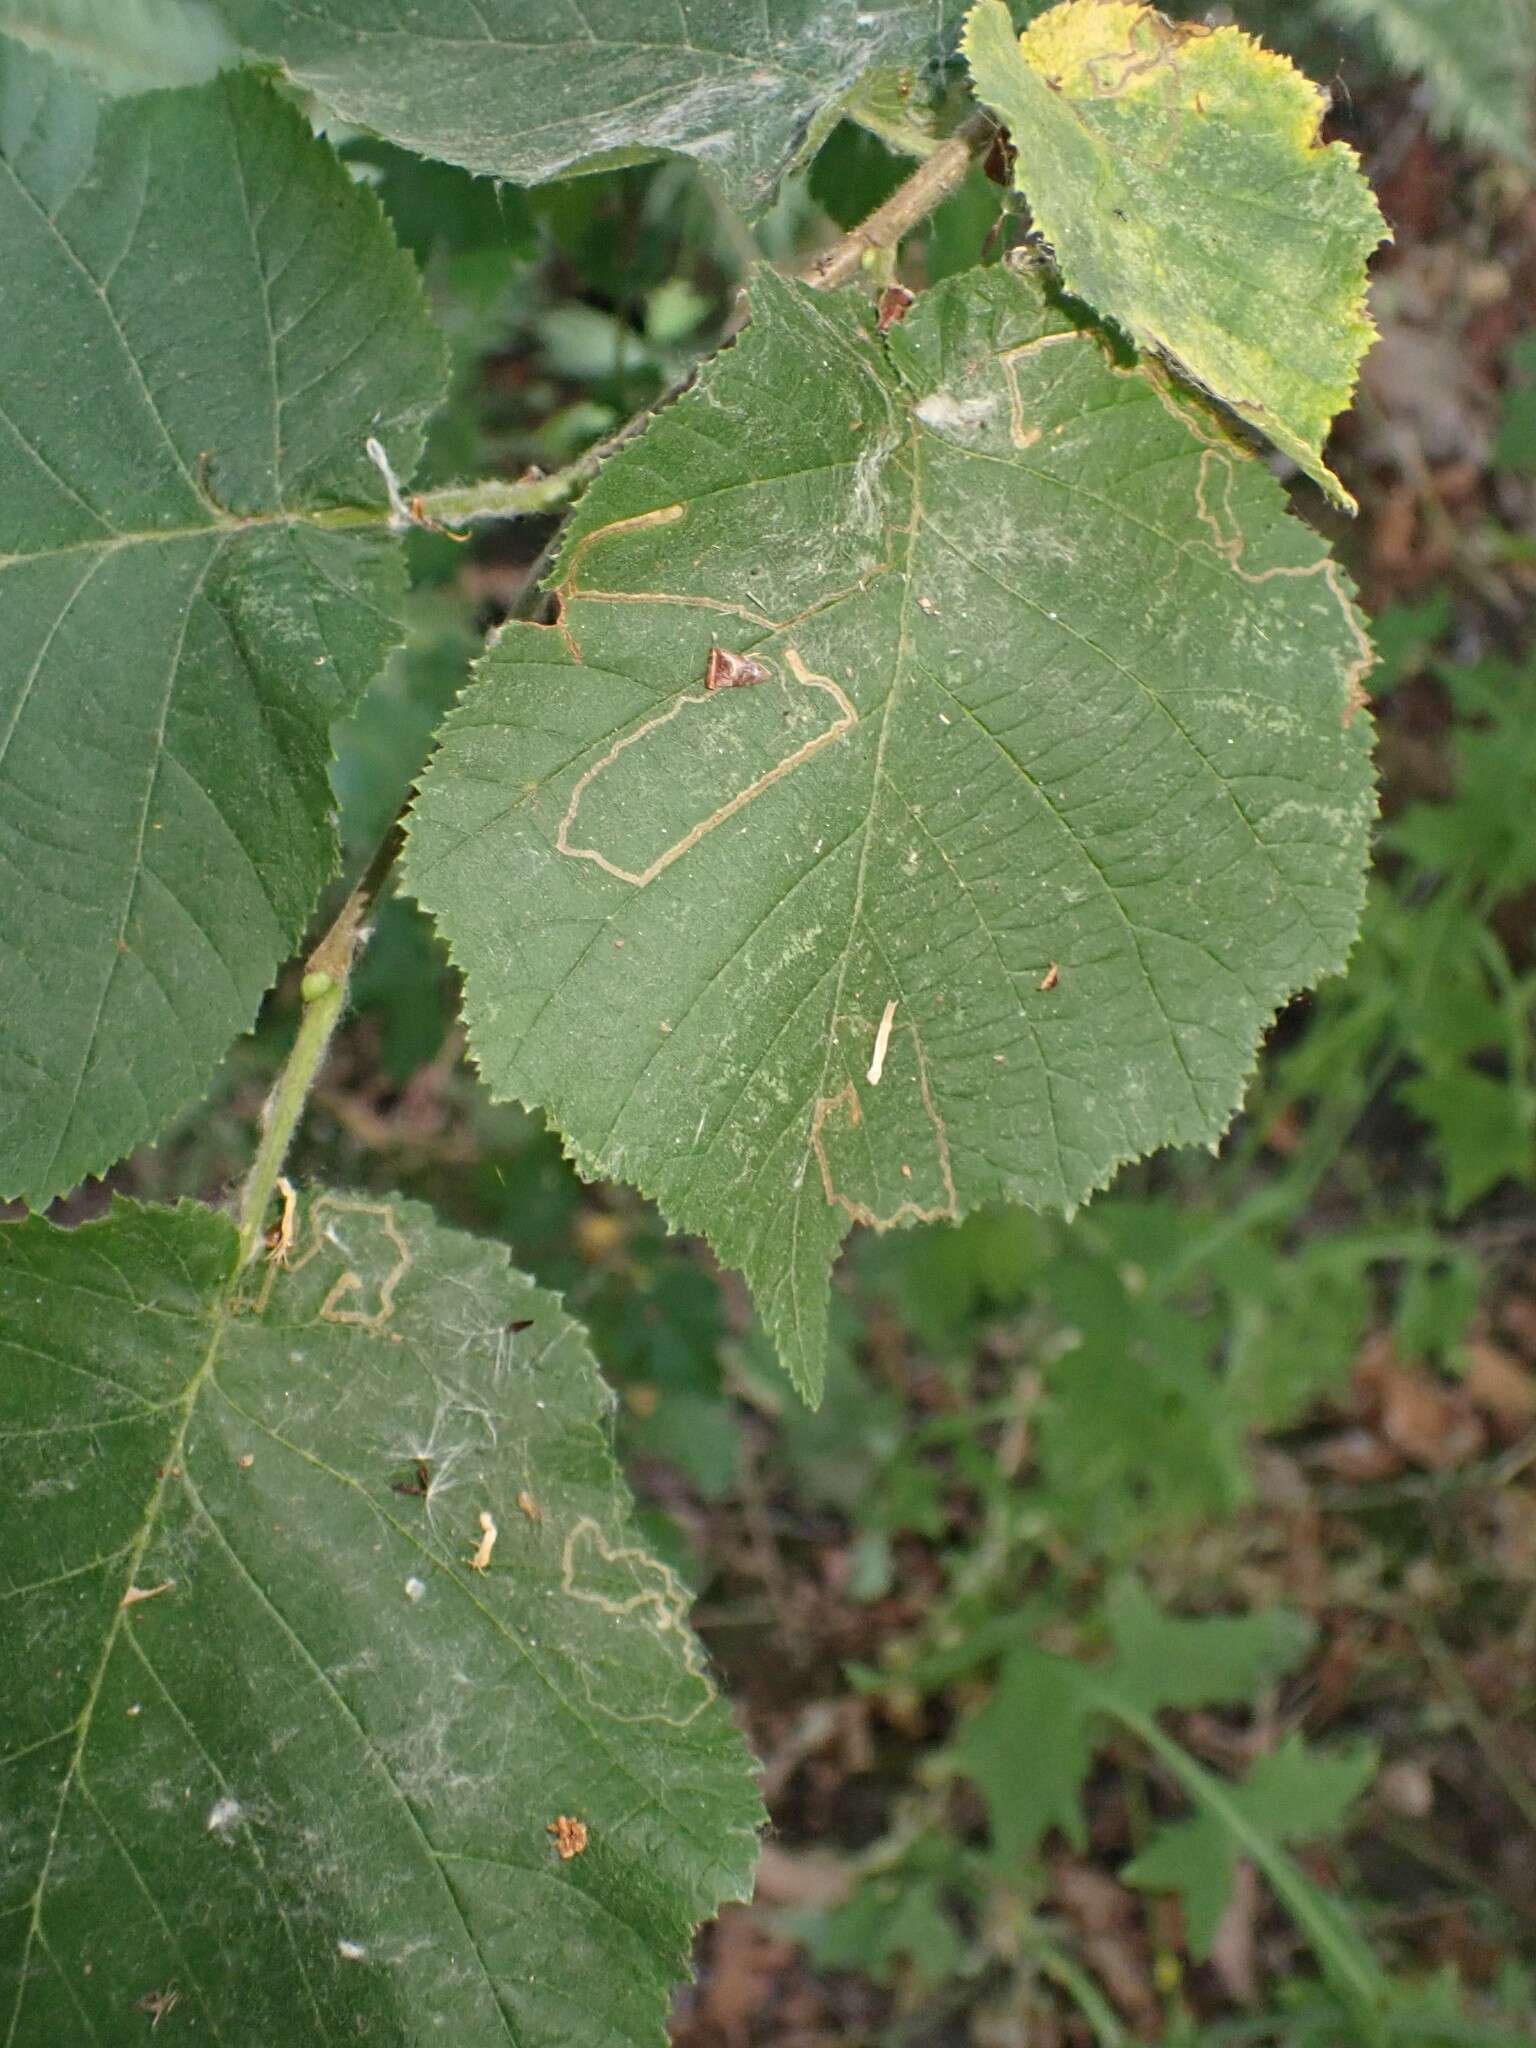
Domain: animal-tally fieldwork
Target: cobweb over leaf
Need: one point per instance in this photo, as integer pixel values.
(344, 1701)
(533, 89)
(1039, 791)
(1178, 174)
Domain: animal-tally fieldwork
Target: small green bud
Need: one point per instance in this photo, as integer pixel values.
(316, 985)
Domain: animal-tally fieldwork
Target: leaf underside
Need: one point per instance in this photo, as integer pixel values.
(1177, 173)
(301, 1785)
(1053, 755)
(125, 45)
(532, 91)
(202, 320)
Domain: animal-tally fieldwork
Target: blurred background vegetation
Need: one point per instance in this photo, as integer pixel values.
(1126, 1551)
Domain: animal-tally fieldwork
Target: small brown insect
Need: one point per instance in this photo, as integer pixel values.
(1052, 976)
(522, 1323)
(570, 1836)
(157, 2004)
(894, 303)
(727, 671)
(528, 1506)
(423, 1482)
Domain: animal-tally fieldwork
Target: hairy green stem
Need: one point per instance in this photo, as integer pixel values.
(324, 991)
(933, 180)
(494, 498)
(464, 504)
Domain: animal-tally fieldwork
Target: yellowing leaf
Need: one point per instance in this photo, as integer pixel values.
(1177, 173)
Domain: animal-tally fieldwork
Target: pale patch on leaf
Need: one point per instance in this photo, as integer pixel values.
(1052, 751)
(125, 45)
(333, 1781)
(1177, 173)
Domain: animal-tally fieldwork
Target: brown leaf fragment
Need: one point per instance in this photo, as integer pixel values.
(1430, 1424)
(570, 1835)
(135, 1594)
(894, 304)
(1108, 1922)
(727, 671)
(1498, 1384)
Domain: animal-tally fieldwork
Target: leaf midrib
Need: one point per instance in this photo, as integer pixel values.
(170, 1472)
(137, 1549)
(328, 519)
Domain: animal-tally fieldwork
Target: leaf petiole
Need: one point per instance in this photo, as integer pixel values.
(324, 994)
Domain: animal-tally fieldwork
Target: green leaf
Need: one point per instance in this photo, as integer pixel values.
(1137, 1434)
(1030, 1748)
(1296, 1321)
(1484, 831)
(1039, 1715)
(1177, 173)
(1478, 58)
(897, 1923)
(1051, 1711)
(532, 89)
(125, 45)
(1052, 679)
(1482, 1131)
(300, 1785)
(1293, 1795)
(205, 320)
(1404, 635)
(1162, 1660)
(902, 107)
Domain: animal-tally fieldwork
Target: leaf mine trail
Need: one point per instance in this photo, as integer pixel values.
(847, 718)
